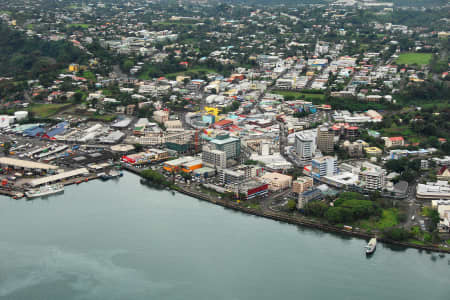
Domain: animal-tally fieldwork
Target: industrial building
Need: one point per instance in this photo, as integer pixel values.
(176, 164)
(150, 156)
(7, 162)
(59, 177)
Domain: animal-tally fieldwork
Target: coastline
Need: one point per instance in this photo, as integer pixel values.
(292, 219)
(276, 216)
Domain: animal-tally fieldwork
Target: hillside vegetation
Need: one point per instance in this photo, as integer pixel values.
(25, 58)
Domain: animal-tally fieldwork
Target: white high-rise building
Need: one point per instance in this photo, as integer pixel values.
(324, 166)
(305, 146)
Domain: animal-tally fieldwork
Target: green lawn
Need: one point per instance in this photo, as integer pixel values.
(299, 95)
(388, 219)
(417, 242)
(412, 58)
(84, 26)
(404, 131)
(89, 75)
(194, 71)
(105, 118)
(48, 110)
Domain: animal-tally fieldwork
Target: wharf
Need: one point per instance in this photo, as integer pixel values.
(10, 193)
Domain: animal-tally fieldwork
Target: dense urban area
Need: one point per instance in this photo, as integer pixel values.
(334, 113)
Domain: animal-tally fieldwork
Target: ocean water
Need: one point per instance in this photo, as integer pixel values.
(123, 240)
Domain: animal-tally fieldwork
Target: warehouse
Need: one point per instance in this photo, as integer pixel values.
(59, 177)
(25, 164)
(113, 137)
(191, 166)
(176, 164)
(204, 172)
(59, 129)
(150, 156)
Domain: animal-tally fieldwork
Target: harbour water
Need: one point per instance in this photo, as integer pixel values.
(122, 240)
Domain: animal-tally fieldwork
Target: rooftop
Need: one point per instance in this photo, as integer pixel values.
(26, 164)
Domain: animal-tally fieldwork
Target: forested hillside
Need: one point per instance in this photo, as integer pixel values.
(23, 57)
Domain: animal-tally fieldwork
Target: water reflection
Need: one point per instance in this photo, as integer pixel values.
(395, 248)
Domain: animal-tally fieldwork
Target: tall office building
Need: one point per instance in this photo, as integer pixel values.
(214, 158)
(305, 146)
(325, 139)
(230, 145)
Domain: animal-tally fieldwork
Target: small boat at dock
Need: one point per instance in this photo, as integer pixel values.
(110, 175)
(371, 246)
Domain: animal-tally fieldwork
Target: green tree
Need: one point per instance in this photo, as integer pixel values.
(6, 148)
(291, 204)
(77, 97)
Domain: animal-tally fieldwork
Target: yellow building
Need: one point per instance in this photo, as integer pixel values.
(74, 67)
(212, 111)
(181, 78)
(373, 151)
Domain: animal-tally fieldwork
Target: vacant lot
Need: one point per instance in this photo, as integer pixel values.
(48, 110)
(84, 26)
(388, 219)
(299, 95)
(412, 58)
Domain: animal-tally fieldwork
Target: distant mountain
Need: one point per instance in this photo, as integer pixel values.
(24, 57)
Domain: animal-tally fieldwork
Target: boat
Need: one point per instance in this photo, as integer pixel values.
(18, 195)
(111, 174)
(371, 246)
(45, 190)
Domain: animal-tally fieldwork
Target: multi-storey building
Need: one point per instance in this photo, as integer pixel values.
(324, 166)
(325, 139)
(302, 184)
(161, 116)
(305, 147)
(373, 179)
(231, 177)
(214, 158)
(230, 145)
(393, 141)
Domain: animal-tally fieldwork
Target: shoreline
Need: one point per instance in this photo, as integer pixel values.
(296, 221)
(293, 220)
(268, 214)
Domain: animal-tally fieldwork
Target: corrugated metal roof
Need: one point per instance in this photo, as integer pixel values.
(60, 176)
